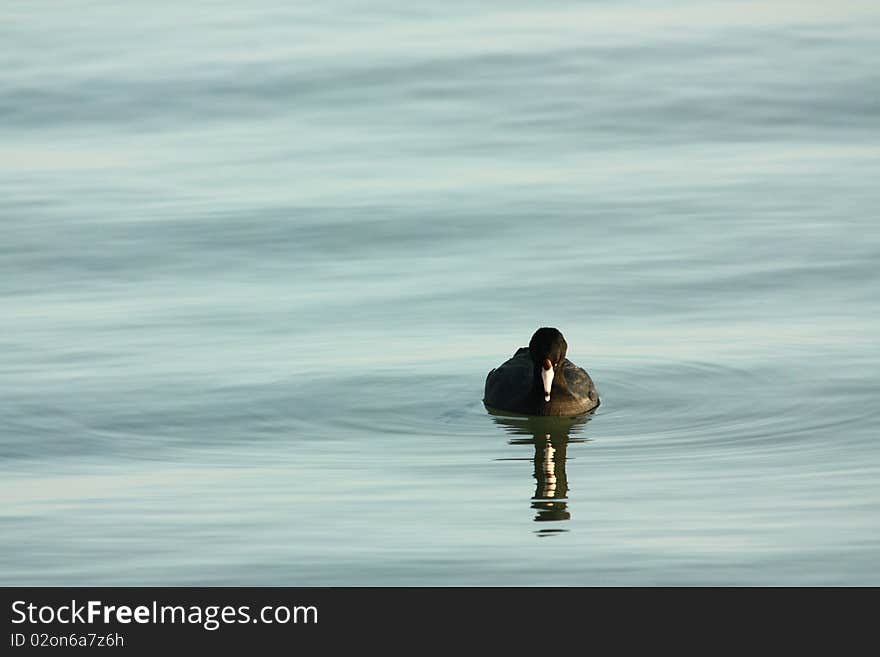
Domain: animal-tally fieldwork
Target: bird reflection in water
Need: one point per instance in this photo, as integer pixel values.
(550, 437)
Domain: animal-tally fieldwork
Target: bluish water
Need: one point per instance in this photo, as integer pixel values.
(256, 260)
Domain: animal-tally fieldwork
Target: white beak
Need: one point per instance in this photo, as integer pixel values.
(547, 378)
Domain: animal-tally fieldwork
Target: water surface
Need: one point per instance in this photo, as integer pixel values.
(255, 263)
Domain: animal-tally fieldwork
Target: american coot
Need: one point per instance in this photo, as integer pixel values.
(539, 380)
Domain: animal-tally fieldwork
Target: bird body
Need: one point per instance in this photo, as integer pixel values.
(540, 380)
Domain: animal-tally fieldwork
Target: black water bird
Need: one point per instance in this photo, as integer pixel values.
(540, 380)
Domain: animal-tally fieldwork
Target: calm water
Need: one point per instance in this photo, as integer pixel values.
(256, 260)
